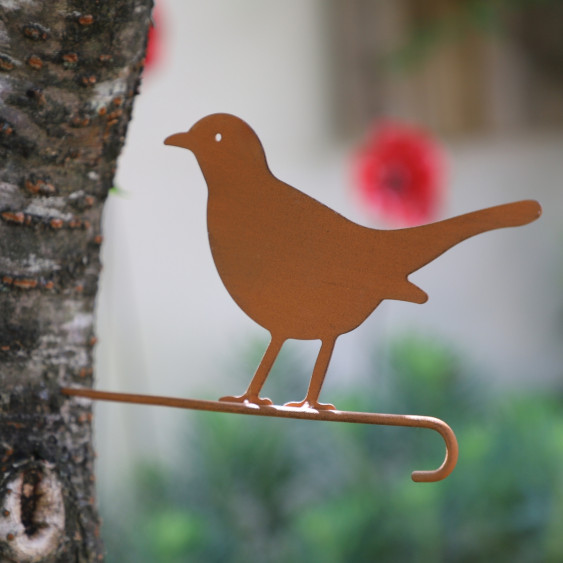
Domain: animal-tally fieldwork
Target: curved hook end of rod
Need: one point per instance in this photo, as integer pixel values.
(450, 461)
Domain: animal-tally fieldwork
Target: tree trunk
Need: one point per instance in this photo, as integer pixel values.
(69, 71)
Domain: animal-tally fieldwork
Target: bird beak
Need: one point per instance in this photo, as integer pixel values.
(179, 140)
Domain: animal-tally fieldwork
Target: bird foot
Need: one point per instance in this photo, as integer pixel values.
(246, 398)
(315, 405)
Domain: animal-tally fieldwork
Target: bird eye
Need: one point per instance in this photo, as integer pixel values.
(218, 137)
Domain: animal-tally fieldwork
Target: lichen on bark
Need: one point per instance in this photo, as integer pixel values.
(69, 72)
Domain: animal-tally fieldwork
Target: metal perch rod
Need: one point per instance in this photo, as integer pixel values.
(412, 421)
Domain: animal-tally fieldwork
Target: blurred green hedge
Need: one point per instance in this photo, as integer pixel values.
(273, 491)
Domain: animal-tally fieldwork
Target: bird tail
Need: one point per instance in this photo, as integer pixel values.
(427, 242)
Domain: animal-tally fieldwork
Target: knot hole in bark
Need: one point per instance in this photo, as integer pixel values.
(32, 515)
(30, 499)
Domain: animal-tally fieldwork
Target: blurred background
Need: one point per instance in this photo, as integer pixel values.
(484, 81)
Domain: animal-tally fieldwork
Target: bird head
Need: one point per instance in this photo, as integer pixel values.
(220, 138)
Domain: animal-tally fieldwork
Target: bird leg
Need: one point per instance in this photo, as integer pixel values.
(259, 378)
(319, 371)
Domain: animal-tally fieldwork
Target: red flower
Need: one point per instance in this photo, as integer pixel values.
(152, 53)
(400, 174)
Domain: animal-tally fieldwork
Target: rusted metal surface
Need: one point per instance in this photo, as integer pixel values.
(412, 421)
(298, 268)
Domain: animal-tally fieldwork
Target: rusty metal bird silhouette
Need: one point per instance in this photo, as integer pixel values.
(303, 271)
(298, 268)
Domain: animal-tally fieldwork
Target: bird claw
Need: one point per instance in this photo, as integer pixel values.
(255, 400)
(314, 405)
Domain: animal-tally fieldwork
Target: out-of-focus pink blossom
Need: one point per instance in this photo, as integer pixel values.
(152, 54)
(400, 173)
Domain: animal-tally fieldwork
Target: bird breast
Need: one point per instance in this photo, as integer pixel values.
(294, 266)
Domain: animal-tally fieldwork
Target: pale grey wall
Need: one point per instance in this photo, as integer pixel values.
(166, 324)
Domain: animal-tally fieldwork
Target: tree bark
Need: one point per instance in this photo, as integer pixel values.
(69, 71)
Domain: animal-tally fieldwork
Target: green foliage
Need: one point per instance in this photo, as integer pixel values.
(120, 192)
(269, 490)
